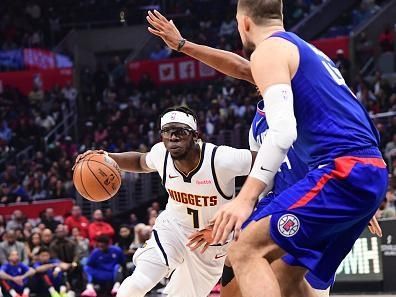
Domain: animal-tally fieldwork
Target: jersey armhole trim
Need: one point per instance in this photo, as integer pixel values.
(164, 169)
(212, 165)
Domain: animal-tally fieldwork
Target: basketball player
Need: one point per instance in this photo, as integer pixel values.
(199, 178)
(317, 220)
(292, 169)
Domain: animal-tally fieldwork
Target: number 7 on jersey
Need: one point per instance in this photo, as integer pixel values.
(194, 213)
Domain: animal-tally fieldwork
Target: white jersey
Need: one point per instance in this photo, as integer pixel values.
(195, 198)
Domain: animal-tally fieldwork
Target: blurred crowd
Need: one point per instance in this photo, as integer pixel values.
(43, 23)
(64, 252)
(46, 173)
(118, 115)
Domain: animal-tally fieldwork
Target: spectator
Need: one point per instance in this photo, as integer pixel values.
(58, 191)
(82, 246)
(390, 149)
(156, 206)
(63, 248)
(101, 133)
(104, 266)
(48, 219)
(5, 132)
(70, 93)
(2, 225)
(46, 237)
(133, 220)
(228, 26)
(99, 227)
(160, 52)
(17, 220)
(142, 234)
(49, 279)
(45, 121)
(125, 239)
(27, 229)
(342, 63)
(36, 96)
(37, 192)
(109, 218)
(77, 220)
(8, 244)
(364, 48)
(15, 192)
(14, 275)
(33, 246)
(386, 40)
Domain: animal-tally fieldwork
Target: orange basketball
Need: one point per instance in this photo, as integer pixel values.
(97, 177)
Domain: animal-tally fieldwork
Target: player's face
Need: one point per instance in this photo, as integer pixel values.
(178, 139)
(243, 28)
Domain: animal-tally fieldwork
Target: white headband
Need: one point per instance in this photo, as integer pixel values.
(179, 117)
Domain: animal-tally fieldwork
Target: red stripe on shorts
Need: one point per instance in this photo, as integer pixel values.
(343, 167)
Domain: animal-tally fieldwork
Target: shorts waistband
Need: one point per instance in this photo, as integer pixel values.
(371, 152)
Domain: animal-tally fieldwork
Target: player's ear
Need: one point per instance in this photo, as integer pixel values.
(246, 23)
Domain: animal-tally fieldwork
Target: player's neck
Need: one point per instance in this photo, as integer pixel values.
(262, 33)
(190, 161)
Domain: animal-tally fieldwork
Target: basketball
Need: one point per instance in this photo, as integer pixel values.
(97, 177)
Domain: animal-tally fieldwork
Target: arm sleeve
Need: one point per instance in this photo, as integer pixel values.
(155, 158)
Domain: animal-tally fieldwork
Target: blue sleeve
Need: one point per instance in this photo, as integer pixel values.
(55, 261)
(37, 264)
(121, 256)
(24, 268)
(4, 268)
(92, 258)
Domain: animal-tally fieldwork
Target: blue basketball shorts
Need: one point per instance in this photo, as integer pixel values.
(317, 220)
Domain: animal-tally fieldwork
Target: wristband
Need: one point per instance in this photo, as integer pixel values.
(182, 42)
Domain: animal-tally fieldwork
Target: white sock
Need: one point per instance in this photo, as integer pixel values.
(13, 293)
(90, 287)
(26, 291)
(62, 289)
(52, 290)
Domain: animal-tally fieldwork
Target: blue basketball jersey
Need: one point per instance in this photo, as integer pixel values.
(14, 270)
(331, 122)
(292, 169)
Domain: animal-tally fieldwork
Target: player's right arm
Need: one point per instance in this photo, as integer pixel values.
(225, 62)
(127, 161)
(131, 161)
(134, 161)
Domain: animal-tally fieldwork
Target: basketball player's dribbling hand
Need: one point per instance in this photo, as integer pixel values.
(164, 29)
(231, 218)
(87, 153)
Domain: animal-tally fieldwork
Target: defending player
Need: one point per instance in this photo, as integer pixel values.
(317, 220)
(231, 64)
(199, 178)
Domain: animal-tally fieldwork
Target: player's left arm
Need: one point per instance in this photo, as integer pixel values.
(273, 64)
